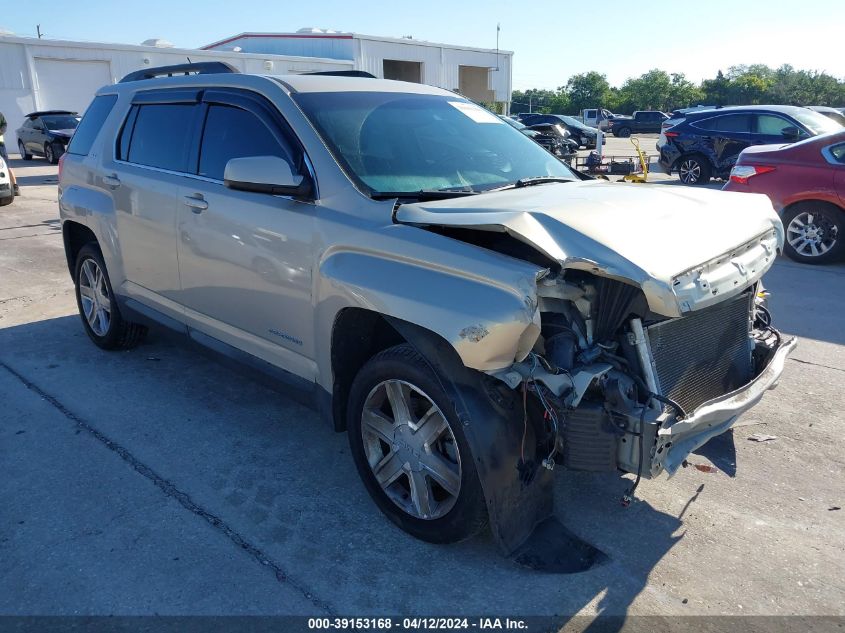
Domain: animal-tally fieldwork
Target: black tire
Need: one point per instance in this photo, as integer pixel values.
(23, 153)
(694, 169)
(120, 334)
(826, 223)
(622, 132)
(6, 201)
(468, 515)
(53, 152)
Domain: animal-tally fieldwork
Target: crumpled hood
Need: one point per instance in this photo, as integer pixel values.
(642, 233)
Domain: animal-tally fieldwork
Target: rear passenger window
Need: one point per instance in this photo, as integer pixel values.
(740, 123)
(838, 153)
(89, 127)
(161, 136)
(231, 132)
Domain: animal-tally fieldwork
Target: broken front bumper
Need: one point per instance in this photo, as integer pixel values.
(677, 439)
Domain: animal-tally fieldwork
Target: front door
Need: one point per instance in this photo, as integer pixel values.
(245, 258)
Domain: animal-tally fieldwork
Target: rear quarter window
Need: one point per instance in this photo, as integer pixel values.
(91, 123)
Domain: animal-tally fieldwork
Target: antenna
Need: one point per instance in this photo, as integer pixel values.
(189, 59)
(38, 30)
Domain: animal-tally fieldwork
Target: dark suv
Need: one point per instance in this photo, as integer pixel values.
(580, 133)
(707, 142)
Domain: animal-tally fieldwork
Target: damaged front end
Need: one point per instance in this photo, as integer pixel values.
(618, 386)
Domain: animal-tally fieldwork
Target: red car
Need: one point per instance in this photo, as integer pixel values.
(806, 184)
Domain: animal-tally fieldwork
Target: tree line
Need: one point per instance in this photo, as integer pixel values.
(659, 90)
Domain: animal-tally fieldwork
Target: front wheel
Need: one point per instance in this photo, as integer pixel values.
(815, 232)
(22, 151)
(694, 170)
(410, 450)
(98, 308)
(52, 154)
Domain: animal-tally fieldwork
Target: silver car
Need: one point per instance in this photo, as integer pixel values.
(471, 311)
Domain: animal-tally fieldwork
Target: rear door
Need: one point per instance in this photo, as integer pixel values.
(36, 137)
(154, 148)
(728, 135)
(245, 258)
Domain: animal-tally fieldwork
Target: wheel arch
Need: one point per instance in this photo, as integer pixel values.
(75, 235)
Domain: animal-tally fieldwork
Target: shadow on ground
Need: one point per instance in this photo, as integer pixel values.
(278, 476)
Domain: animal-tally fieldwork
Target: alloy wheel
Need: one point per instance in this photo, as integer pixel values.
(690, 171)
(94, 296)
(812, 234)
(411, 449)
(48, 153)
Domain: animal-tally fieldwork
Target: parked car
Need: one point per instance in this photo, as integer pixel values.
(7, 194)
(641, 122)
(706, 143)
(806, 183)
(46, 134)
(466, 307)
(584, 135)
(833, 113)
(597, 117)
(675, 117)
(553, 141)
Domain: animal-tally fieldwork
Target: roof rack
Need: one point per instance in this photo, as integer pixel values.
(344, 73)
(198, 68)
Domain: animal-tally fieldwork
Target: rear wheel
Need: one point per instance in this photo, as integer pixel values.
(815, 232)
(694, 170)
(623, 132)
(98, 308)
(410, 449)
(22, 151)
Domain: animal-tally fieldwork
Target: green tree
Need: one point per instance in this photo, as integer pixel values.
(587, 90)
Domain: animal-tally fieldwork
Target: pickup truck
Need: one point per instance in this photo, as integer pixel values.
(642, 121)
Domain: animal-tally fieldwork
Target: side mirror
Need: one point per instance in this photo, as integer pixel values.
(264, 174)
(791, 133)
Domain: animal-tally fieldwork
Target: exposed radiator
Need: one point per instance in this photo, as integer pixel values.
(705, 354)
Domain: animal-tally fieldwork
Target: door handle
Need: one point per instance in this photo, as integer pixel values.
(111, 181)
(197, 205)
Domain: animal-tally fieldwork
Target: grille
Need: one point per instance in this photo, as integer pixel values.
(705, 354)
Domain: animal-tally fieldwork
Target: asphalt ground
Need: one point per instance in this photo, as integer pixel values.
(161, 481)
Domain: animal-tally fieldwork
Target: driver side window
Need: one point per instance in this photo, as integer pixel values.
(232, 132)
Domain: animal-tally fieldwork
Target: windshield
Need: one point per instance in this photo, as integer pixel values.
(512, 123)
(61, 122)
(571, 121)
(815, 122)
(399, 142)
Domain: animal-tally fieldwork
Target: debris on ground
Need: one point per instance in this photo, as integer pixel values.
(762, 437)
(751, 422)
(832, 508)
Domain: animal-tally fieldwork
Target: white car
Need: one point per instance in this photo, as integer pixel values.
(7, 195)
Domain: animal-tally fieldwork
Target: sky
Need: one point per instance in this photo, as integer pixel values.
(551, 40)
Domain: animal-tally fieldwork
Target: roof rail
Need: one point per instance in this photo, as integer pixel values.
(344, 73)
(198, 68)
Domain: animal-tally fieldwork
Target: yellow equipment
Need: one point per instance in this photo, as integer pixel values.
(639, 176)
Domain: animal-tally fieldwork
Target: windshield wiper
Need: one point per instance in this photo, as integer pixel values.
(423, 194)
(529, 182)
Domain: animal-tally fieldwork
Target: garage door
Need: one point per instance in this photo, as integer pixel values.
(65, 84)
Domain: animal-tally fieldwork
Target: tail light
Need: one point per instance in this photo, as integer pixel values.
(61, 162)
(742, 173)
(671, 134)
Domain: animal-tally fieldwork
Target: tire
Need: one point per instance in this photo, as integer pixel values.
(102, 321)
(694, 170)
(6, 201)
(23, 153)
(623, 132)
(51, 153)
(456, 508)
(815, 232)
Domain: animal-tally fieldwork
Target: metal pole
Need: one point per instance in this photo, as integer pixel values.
(38, 30)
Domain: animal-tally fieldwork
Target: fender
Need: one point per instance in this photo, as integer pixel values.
(490, 319)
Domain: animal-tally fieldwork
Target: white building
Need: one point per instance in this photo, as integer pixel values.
(480, 74)
(40, 74)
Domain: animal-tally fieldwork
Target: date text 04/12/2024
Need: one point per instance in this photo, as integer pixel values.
(417, 624)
